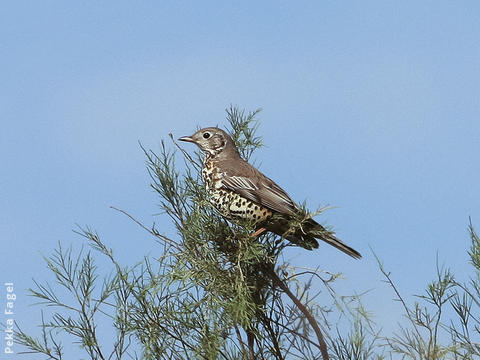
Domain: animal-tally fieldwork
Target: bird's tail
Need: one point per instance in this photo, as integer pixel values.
(340, 245)
(305, 237)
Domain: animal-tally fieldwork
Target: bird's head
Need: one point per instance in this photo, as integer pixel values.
(212, 140)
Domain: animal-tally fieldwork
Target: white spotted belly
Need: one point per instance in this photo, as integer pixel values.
(235, 207)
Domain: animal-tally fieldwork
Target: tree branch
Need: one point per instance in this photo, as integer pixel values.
(322, 345)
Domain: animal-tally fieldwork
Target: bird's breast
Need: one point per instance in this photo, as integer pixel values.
(229, 203)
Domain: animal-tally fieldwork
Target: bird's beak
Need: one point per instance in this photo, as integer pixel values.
(186, 138)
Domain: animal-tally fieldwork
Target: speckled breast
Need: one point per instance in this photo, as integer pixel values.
(230, 204)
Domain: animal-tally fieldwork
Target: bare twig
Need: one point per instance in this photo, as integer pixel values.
(151, 231)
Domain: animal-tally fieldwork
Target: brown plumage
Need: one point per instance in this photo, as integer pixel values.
(242, 193)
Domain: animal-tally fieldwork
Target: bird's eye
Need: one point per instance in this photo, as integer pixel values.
(206, 135)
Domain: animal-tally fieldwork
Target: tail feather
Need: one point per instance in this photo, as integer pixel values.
(305, 237)
(340, 245)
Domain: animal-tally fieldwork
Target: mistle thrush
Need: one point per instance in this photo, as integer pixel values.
(242, 193)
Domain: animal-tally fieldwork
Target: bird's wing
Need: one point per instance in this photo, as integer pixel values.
(261, 190)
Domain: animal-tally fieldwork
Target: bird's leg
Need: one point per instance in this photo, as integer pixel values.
(258, 232)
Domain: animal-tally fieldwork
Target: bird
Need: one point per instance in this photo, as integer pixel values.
(242, 194)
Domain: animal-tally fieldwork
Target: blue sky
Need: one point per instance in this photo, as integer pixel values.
(372, 107)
